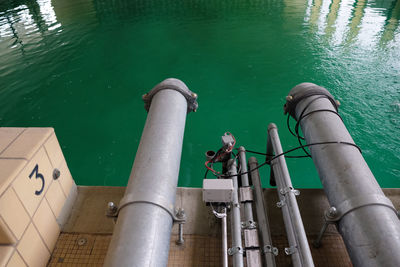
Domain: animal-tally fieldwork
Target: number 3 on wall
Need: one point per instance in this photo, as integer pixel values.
(37, 176)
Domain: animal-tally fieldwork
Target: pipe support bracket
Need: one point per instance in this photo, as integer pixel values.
(289, 189)
(290, 250)
(235, 250)
(351, 204)
(270, 249)
(172, 84)
(177, 215)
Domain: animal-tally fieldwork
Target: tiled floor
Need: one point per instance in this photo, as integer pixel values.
(199, 251)
(80, 250)
(332, 253)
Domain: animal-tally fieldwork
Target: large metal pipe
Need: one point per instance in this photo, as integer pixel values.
(236, 229)
(143, 229)
(262, 218)
(365, 217)
(299, 248)
(248, 210)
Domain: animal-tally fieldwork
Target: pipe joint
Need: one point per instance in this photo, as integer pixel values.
(172, 84)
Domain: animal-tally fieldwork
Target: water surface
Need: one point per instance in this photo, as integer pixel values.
(81, 67)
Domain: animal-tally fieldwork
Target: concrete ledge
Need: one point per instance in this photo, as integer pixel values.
(88, 214)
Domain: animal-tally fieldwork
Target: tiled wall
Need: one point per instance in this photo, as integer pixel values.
(32, 199)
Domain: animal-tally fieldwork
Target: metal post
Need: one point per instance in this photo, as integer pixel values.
(248, 210)
(262, 218)
(146, 213)
(366, 219)
(236, 250)
(224, 240)
(299, 248)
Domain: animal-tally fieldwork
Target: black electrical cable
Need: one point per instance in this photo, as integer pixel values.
(205, 174)
(291, 150)
(265, 154)
(303, 115)
(299, 138)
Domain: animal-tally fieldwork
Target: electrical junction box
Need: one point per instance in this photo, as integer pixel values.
(217, 190)
(227, 139)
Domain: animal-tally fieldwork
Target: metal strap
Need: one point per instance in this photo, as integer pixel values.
(354, 203)
(130, 199)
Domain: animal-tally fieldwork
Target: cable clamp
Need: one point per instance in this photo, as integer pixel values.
(281, 203)
(289, 189)
(249, 225)
(219, 215)
(246, 194)
(270, 249)
(290, 250)
(234, 250)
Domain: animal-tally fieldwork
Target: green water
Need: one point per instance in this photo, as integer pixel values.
(81, 67)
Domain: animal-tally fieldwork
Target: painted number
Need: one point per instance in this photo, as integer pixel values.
(37, 176)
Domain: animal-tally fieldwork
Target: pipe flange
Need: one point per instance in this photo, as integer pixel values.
(302, 91)
(172, 84)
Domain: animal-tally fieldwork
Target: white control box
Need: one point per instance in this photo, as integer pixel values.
(217, 190)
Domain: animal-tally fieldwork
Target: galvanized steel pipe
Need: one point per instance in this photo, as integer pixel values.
(236, 228)
(368, 222)
(299, 249)
(143, 229)
(262, 215)
(248, 210)
(224, 240)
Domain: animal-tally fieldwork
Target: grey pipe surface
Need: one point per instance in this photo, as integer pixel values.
(248, 210)
(224, 241)
(371, 232)
(236, 227)
(299, 248)
(262, 218)
(143, 229)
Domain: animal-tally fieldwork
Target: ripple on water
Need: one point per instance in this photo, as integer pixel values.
(82, 65)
